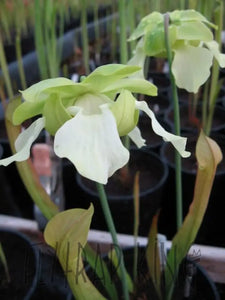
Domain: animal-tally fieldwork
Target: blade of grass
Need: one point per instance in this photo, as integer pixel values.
(153, 257)
(4, 262)
(136, 223)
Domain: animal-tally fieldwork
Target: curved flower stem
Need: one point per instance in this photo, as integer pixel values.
(179, 203)
(111, 227)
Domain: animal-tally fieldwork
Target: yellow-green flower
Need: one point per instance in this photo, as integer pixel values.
(191, 42)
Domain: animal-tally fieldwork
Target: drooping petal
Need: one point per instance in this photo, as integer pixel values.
(213, 46)
(24, 141)
(191, 67)
(135, 136)
(92, 144)
(178, 142)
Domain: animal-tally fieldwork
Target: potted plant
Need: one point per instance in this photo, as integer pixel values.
(87, 120)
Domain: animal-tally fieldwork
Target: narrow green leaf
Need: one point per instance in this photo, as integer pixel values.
(208, 156)
(4, 262)
(136, 223)
(114, 259)
(99, 266)
(67, 233)
(152, 256)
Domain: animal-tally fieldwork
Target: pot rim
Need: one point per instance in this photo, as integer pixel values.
(130, 197)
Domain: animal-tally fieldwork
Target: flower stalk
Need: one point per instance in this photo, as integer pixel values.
(179, 205)
(112, 230)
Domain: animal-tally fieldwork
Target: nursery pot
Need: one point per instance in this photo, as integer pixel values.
(153, 174)
(212, 230)
(153, 140)
(187, 125)
(197, 287)
(52, 282)
(22, 261)
(162, 81)
(159, 104)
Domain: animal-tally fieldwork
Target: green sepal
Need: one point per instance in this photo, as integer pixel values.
(27, 110)
(101, 77)
(125, 112)
(154, 42)
(54, 113)
(134, 85)
(35, 92)
(194, 30)
(179, 16)
(146, 24)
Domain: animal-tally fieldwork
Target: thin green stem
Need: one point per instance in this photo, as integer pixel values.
(215, 69)
(179, 204)
(5, 72)
(39, 40)
(84, 35)
(136, 224)
(20, 61)
(97, 34)
(132, 24)
(182, 4)
(112, 230)
(123, 32)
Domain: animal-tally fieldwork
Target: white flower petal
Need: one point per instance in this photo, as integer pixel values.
(178, 142)
(214, 48)
(24, 141)
(191, 67)
(135, 136)
(92, 144)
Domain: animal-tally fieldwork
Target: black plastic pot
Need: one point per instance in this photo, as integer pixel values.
(162, 81)
(212, 230)
(15, 200)
(153, 175)
(197, 287)
(218, 124)
(22, 260)
(153, 141)
(52, 283)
